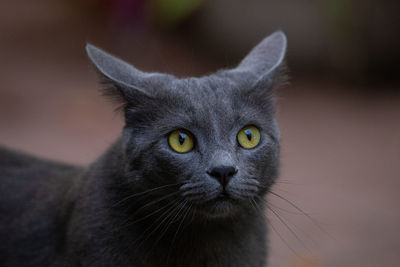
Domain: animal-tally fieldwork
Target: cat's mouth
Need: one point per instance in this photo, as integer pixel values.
(223, 196)
(220, 204)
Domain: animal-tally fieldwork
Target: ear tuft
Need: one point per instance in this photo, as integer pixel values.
(115, 93)
(114, 69)
(122, 82)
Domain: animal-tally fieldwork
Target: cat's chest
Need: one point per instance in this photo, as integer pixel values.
(209, 250)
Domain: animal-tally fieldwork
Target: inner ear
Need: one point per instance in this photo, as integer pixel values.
(124, 97)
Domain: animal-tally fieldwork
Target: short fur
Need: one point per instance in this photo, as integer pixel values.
(141, 203)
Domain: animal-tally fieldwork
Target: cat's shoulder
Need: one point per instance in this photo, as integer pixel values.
(23, 175)
(33, 193)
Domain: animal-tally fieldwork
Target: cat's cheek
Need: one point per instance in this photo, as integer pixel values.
(254, 158)
(262, 162)
(178, 165)
(270, 169)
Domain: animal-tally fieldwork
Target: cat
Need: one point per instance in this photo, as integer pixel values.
(182, 186)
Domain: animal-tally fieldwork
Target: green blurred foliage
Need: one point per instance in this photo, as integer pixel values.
(170, 12)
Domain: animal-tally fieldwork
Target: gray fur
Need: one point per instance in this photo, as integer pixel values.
(141, 203)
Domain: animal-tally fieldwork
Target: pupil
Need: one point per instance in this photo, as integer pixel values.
(248, 134)
(182, 138)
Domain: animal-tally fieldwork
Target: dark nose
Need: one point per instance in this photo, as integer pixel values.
(223, 174)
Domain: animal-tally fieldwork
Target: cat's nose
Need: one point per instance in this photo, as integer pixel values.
(223, 174)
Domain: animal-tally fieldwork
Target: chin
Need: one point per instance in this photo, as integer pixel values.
(220, 208)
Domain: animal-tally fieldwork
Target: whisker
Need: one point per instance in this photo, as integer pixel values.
(251, 202)
(148, 215)
(156, 201)
(274, 229)
(182, 219)
(283, 190)
(142, 193)
(285, 210)
(282, 239)
(146, 205)
(155, 221)
(288, 227)
(168, 224)
(171, 212)
(301, 211)
(279, 181)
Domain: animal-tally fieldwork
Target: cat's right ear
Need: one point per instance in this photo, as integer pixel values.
(124, 83)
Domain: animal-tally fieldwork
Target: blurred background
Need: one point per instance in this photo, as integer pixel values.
(340, 116)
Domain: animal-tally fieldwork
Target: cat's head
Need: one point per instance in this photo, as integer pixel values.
(214, 137)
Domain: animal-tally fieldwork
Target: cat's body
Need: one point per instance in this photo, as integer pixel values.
(142, 203)
(32, 198)
(48, 222)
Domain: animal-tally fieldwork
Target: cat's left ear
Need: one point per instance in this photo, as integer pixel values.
(264, 60)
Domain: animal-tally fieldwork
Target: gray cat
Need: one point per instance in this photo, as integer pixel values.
(182, 186)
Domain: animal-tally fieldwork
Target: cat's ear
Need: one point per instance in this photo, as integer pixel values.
(264, 65)
(124, 83)
(266, 57)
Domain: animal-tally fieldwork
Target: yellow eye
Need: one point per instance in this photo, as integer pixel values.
(249, 137)
(181, 141)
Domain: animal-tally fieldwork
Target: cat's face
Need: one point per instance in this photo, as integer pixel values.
(214, 170)
(215, 138)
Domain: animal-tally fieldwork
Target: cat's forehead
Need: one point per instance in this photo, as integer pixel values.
(206, 94)
(214, 86)
(211, 102)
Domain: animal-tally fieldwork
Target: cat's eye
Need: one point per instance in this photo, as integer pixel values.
(249, 137)
(181, 141)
